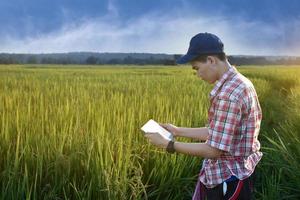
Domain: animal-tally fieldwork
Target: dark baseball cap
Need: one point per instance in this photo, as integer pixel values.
(202, 44)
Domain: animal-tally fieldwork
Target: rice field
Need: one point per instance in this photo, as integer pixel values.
(73, 132)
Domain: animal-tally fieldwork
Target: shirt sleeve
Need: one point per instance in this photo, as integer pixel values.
(225, 121)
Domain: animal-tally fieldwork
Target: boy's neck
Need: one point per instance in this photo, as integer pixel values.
(224, 67)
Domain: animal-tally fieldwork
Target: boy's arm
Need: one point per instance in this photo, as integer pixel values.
(200, 134)
(195, 133)
(197, 149)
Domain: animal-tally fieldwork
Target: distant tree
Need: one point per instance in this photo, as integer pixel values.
(169, 62)
(8, 59)
(176, 57)
(49, 60)
(128, 60)
(91, 60)
(31, 60)
(114, 61)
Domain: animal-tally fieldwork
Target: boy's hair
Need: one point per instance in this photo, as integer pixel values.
(203, 58)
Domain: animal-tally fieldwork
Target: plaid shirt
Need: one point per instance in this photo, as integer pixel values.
(233, 122)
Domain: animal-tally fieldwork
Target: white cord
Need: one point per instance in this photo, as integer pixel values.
(224, 188)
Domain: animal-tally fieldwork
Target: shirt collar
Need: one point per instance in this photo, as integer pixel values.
(231, 71)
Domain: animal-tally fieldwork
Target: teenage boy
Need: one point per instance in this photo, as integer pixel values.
(231, 147)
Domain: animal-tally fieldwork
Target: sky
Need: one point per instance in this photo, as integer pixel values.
(246, 27)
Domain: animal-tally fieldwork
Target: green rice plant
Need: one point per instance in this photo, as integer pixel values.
(73, 132)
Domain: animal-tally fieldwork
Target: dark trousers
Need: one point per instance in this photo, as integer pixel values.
(238, 189)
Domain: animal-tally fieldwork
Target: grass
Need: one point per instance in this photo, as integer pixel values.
(73, 132)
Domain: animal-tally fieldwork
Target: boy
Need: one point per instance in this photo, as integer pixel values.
(231, 147)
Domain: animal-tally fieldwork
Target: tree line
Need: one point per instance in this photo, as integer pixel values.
(132, 58)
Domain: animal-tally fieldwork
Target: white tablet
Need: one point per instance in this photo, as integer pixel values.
(153, 127)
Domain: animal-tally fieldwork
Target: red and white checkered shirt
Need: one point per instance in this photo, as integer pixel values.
(233, 122)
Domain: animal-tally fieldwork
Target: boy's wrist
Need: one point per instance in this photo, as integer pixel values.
(170, 147)
(179, 131)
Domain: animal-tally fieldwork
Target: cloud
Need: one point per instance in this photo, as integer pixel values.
(160, 33)
(112, 8)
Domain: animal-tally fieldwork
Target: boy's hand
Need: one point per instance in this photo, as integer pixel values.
(171, 128)
(157, 140)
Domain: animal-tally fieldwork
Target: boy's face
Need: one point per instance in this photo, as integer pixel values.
(206, 70)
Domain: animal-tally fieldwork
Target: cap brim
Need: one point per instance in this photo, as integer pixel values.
(185, 59)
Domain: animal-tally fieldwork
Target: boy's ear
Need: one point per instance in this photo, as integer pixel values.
(210, 60)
